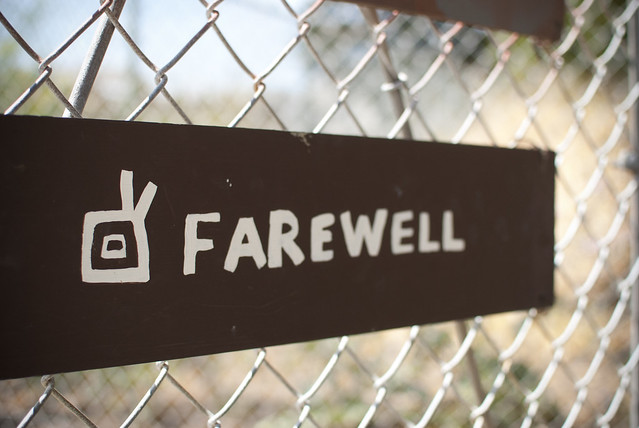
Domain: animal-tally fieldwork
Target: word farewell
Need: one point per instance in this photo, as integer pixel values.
(115, 246)
(284, 229)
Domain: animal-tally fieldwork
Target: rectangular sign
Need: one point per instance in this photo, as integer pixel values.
(541, 18)
(132, 242)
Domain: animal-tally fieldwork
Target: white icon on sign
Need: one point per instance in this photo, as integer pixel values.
(115, 248)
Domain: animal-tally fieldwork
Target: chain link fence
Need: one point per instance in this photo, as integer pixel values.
(328, 67)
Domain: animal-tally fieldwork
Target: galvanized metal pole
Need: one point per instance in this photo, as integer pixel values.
(93, 60)
(633, 73)
(392, 76)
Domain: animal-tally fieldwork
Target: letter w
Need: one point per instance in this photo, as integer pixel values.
(364, 232)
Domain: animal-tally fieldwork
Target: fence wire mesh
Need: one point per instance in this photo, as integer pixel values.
(319, 66)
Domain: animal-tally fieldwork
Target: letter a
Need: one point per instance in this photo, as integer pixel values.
(251, 248)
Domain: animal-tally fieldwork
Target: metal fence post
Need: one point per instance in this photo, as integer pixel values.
(93, 60)
(633, 73)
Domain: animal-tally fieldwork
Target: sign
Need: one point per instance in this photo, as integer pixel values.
(132, 242)
(542, 18)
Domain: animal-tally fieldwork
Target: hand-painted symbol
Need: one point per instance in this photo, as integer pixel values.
(115, 248)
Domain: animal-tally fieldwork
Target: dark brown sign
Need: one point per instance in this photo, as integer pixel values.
(541, 18)
(132, 242)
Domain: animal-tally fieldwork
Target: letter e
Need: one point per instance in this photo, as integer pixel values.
(321, 235)
(398, 233)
